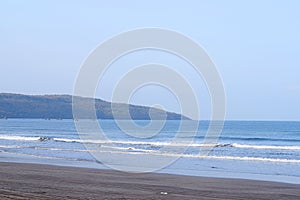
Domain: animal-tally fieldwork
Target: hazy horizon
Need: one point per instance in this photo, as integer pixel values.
(254, 45)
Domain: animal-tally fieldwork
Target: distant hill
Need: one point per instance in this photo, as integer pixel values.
(60, 107)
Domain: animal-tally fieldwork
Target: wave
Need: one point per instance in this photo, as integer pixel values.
(245, 146)
(146, 143)
(11, 147)
(71, 140)
(158, 144)
(137, 151)
(144, 152)
(150, 143)
(260, 139)
(258, 159)
(77, 140)
(22, 138)
(76, 150)
(197, 156)
(132, 149)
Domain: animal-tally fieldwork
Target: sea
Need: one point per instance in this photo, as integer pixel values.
(257, 150)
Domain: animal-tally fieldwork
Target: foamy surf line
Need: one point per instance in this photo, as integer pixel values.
(158, 153)
(158, 144)
(256, 159)
(136, 151)
(244, 146)
(21, 138)
(234, 145)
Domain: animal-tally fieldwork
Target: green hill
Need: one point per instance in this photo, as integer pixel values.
(60, 107)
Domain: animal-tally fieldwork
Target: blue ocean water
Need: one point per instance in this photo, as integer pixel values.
(263, 150)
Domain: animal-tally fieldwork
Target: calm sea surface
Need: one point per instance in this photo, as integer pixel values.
(246, 149)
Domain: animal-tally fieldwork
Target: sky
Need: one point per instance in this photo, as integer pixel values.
(255, 46)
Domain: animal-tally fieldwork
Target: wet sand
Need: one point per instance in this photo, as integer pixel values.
(31, 181)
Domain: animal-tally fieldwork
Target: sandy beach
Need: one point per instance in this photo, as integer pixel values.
(31, 181)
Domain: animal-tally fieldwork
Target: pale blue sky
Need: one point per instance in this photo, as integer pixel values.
(254, 44)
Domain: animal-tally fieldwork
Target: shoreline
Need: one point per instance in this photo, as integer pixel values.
(204, 172)
(39, 181)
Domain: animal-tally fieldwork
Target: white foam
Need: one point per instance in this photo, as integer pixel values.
(11, 147)
(256, 159)
(60, 149)
(19, 138)
(158, 144)
(138, 151)
(67, 140)
(181, 144)
(259, 159)
(296, 148)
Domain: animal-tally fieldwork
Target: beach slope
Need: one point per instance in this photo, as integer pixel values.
(31, 181)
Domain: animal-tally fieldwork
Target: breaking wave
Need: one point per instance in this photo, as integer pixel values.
(149, 143)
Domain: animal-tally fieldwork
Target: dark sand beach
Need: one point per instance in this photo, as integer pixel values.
(31, 181)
